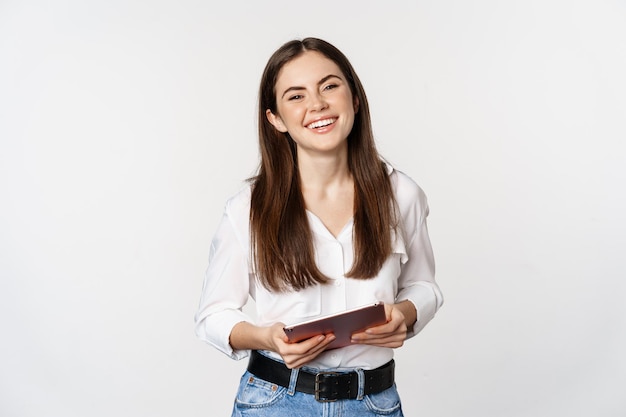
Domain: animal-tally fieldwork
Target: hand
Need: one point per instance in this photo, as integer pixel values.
(297, 354)
(391, 334)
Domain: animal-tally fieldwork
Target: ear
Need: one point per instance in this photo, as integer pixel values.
(276, 121)
(356, 105)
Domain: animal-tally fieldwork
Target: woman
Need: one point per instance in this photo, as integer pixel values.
(325, 226)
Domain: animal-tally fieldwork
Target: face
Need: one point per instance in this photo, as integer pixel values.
(314, 104)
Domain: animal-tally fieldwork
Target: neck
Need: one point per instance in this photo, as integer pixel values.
(321, 172)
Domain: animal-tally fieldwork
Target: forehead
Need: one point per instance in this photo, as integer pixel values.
(310, 67)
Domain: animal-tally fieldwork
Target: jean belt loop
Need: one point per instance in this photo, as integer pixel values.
(361, 390)
(293, 380)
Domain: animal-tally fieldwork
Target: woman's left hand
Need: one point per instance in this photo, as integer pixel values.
(391, 334)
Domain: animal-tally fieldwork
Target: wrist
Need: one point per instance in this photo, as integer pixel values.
(409, 311)
(247, 336)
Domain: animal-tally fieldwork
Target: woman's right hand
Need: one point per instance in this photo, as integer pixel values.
(245, 335)
(297, 354)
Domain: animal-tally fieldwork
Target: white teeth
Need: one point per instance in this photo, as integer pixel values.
(321, 123)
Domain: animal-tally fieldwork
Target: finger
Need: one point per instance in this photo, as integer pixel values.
(382, 330)
(295, 360)
(390, 341)
(379, 334)
(388, 328)
(312, 344)
(306, 348)
(372, 339)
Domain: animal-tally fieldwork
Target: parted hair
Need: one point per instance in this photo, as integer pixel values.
(281, 238)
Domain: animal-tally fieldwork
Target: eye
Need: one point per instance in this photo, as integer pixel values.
(330, 86)
(295, 97)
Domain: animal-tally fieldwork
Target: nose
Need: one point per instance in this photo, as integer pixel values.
(317, 102)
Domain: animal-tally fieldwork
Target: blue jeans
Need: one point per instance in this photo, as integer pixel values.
(259, 398)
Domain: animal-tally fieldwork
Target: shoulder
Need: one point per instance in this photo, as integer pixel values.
(409, 195)
(237, 214)
(239, 204)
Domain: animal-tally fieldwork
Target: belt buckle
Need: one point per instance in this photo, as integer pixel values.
(317, 386)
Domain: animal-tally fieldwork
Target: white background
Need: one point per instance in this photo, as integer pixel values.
(125, 125)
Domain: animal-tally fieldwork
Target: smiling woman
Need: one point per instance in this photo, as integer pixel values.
(325, 226)
(315, 105)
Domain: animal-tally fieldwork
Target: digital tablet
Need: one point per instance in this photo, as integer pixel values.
(343, 325)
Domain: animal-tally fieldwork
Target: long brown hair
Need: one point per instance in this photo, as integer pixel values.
(282, 242)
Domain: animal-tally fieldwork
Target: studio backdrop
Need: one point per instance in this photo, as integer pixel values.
(126, 125)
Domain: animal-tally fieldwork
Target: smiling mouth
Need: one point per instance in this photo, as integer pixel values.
(322, 123)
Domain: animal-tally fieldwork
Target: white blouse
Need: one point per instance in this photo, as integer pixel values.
(408, 274)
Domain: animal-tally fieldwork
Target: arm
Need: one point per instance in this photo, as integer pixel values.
(248, 336)
(226, 283)
(419, 296)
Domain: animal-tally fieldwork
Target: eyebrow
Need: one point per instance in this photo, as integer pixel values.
(320, 82)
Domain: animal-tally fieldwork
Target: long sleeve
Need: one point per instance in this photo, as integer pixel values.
(416, 282)
(226, 284)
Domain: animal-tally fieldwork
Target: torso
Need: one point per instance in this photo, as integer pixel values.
(334, 257)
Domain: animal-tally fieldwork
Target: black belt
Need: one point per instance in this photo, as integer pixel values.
(326, 386)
